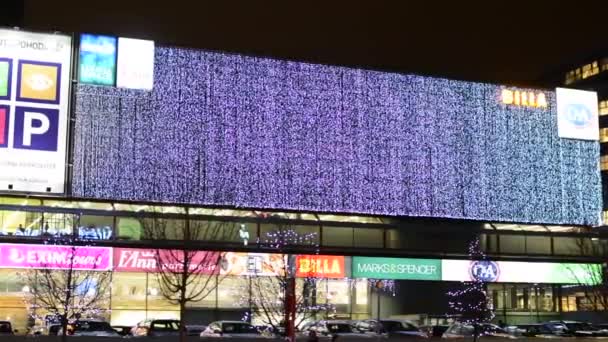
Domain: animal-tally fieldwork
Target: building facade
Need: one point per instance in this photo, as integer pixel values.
(391, 177)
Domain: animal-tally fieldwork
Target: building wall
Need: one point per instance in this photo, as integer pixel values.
(241, 131)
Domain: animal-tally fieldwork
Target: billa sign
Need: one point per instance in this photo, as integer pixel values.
(523, 98)
(320, 266)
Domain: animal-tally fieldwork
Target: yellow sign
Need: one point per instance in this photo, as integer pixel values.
(39, 82)
(524, 98)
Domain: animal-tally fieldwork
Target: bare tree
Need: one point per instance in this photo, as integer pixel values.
(186, 275)
(68, 294)
(590, 278)
(269, 291)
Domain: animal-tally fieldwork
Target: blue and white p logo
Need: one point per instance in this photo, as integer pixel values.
(578, 115)
(36, 128)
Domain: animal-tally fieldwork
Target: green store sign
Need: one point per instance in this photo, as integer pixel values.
(396, 268)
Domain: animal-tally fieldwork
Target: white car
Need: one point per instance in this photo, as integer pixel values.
(231, 329)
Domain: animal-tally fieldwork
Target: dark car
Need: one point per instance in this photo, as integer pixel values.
(156, 327)
(6, 328)
(401, 328)
(230, 329)
(576, 329)
(543, 330)
(90, 328)
(366, 325)
(122, 330)
(334, 328)
(462, 330)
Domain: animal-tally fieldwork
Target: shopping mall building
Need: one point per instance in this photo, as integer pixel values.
(391, 176)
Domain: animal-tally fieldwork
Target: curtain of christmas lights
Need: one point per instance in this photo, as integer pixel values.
(222, 129)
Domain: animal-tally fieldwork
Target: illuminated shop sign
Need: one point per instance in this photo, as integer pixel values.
(524, 98)
(520, 272)
(55, 257)
(479, 270)
(396, 268)
(135, 66)
(577, 114)
(97, 60)
(320, 266)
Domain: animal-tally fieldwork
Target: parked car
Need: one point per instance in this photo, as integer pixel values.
(6, 328)
(577, 329)
(460, 330)
(122, 330)
(366, 325)
(156, 327)
(231, 329)
(401, 328)
(336, 329)
(544, 331)
(434, 330)
(195, 330)
(90, 328)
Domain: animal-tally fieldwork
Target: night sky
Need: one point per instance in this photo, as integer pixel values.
(515, 42)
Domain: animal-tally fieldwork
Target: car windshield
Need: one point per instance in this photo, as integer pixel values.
(339, 328)
(165, 326)
(93, 326)
(391, 326)
(239, 328)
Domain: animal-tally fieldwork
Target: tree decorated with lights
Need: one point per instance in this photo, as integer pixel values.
(186, 275)
(270, 294)
(471, 301)
(71, 293)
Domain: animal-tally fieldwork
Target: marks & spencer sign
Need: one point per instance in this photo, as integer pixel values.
(396, 268)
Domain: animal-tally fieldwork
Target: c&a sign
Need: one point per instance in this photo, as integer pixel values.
(320, 266)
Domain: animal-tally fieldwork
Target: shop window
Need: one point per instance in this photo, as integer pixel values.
(162, 229)
(489, 243)
(538, 245)
(96, 227)
(233, 292)
(369, 238)
(206, 288)
(361, 296)
(338, 295)
(129, 291)
(129, 228)
(59, 224)
(513, 244)
(156, 300)
(302, 235)
(127, 317)
(21, 223)
(568, 245)
(338, 236)
(223, 231)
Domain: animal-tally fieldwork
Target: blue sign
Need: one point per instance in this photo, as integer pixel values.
(97, 64)
(578, 114)
(484, 271)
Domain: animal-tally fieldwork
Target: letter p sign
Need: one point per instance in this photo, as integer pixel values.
(36, 128)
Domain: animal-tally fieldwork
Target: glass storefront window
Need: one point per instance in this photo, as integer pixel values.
(338, 236)
(233, 292)
(96, 227)
(20, 223)
(224, 231)
(369, 238)
(20, 201)
(129, 291)
(128, 228)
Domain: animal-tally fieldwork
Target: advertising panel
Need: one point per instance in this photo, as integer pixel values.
(135, 64)
(55, 257)
(145, 260)
(252, 264)
(520, 272)
(577, 114)
(34, 95)
(320, 266)
(396, 268)
(97, 60)
(231, 263)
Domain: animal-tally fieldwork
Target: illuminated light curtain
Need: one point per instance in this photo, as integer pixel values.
(221, 129)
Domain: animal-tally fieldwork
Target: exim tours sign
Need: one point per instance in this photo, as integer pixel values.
(55, 257)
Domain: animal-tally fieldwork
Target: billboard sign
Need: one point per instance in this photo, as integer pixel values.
(34, 95)
(146, 260)
(135, 64)
(320, 266)
(396, 268)
(97, 60)
(252, 264)
(520, 272)
(55, 257)
(577, 114)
